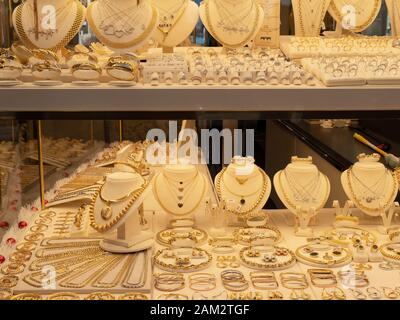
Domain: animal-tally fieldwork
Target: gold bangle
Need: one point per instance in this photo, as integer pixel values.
(27, 296)
(64, 296)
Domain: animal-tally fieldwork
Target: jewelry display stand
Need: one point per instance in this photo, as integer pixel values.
(218, 215)
(343, 217)
(226, 23)
(123, 25)
(304, 190)
(393, 7)
(309, 16)
(177, 20)
(372, 188)
(354, 15)
(36, 30)
(180, 190)
(243, 188)
(123, 216)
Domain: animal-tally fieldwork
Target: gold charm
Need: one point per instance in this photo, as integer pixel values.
(106, 212)
(241, 180)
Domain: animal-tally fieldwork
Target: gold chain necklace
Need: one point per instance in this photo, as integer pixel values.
(336, 4)
(315, 27)
(254, 206)
(290, 203)
(248, 38)
(166, 27)
(182, 213)
(106, 211)
(123, 45)
(68, 37)
(366, 208)
(107, 226)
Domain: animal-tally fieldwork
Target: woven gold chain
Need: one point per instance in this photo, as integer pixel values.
(68, 37)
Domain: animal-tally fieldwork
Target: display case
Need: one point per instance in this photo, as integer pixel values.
(143, 167)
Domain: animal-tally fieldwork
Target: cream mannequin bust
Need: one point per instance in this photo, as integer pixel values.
(58, 22)
(308, 16)
(173, 31)
(108, 205)
(354, 15)
(243, 186)
(180, 189)
(232, 23)
(369, 185)
(303, 189)
(393, 7)
(122, 25)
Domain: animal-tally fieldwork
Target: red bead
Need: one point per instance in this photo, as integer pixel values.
(46, 201)
(11, 241)
(34, 209)
(22, 224)
(2, 259)
(4, 224)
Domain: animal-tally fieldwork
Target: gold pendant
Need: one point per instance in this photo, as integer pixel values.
(241, 180)
(106, 212)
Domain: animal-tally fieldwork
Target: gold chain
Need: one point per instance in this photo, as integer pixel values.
(365, 208)
(68, 37)
(290, 203)
(231, 45)
(254, 206)
(338, 15)
(105, 227)
(317, 27)
(120, 45)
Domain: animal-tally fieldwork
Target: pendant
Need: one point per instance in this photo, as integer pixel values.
(242, 201)
(180, 205)
(241, 180)
(106, 212)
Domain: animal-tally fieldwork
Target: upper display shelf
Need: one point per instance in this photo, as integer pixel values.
(137, 65)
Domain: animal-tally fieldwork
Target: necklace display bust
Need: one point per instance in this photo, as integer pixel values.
(303, 189)
(233, 23)
(122, 25)
(243, 186)
(180, 189)
(52, 24)
(114, 207)
(393, 7)
(177, 20)
(309, 16)
(371, 187)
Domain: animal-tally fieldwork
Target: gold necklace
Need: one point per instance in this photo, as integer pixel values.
(231, 45)
(254, 206)
(315, 27)
(165, 27)
(182, 213)
(106, 211)
(290, 203)
(337, 13)
(68, 37)
(123, 45)
(107, 226)
(369, 209)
